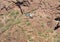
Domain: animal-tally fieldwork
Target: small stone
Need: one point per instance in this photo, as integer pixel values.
(29, 15)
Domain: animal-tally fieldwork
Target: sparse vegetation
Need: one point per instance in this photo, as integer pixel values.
(40, 16)
(50, 30)
(57, 40)
(27, 23)
(30, 38)
(1, 25)
(9, 20)
(14, 13)
(42, 25)
(29, 20)
(48, 17)
(18, 21)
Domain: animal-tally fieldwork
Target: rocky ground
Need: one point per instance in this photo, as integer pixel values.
(29, 20)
